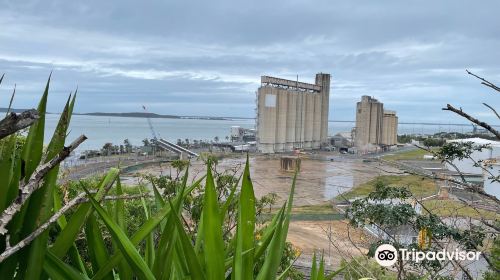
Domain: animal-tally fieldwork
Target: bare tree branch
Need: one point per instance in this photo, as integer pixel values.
(472, 119)
(484, 81)
(26, 189)
(14, 122)
(491, 108)
(10, 250)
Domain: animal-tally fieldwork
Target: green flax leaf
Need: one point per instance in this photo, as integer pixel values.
(123, 242)
(243, 264)
(212, 231)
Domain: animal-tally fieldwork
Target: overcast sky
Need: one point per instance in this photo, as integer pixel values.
(206, 57)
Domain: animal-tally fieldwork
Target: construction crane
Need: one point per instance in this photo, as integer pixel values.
(164, 144)
(150, 124)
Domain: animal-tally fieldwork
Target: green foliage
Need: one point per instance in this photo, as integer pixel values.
(434, 142)
(390, 208)
(18, 160)
(459, 150)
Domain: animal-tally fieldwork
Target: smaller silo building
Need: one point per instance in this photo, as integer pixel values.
(389, 128)
(375, 127)
(369, 121)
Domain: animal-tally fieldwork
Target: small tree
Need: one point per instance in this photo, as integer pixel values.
(128, 146)
(107, 148)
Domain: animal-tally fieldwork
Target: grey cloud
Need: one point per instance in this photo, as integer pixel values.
(206, 57)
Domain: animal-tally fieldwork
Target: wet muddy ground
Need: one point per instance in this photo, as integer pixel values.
(319, 181)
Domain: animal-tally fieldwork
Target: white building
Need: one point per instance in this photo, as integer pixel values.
(490, 159)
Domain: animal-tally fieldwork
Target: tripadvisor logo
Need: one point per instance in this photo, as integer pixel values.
(387, 255)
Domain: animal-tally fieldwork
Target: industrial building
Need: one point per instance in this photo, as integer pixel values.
(291, 114)
(375, 127)
(240, 134)
(389, 128)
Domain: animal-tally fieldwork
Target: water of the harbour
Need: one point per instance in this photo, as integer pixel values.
(100, 130)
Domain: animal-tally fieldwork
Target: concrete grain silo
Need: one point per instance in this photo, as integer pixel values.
(389, 128)
(291, 120)
(309, 121)
(317, 122)
(375, 127)
(291, 114)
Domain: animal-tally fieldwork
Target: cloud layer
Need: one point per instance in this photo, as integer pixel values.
(206, 57)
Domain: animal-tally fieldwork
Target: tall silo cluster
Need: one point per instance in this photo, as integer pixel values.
(291, 114)
(375, 127)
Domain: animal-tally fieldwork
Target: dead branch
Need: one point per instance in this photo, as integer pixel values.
(14, 122)
(472, 119)
(26, 189)
(484, 81)
(81, 198)
(492, 109)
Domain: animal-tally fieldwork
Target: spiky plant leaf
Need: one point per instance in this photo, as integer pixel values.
(143, 231)
(41, 202)
(126, 247)
(68, 235)
(124, 270)
(212, 231)
(243, 265)
(97, 248)
(58, 270)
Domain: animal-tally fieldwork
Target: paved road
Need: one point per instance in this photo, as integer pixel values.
(101, 165)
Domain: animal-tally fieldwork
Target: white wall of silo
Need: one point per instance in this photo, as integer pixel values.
(300, 121)
(309, 119)
(291, 116)
(267, 119)
(281, 121)
(317, 122)
(324, 81)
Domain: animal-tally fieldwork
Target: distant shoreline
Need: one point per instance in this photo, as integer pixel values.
(151, 116)
(159, 116)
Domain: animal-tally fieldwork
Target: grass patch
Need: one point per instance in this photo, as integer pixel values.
(418, 185)
(452, 208)
(314, 209)
(320, 212)
(415, 154)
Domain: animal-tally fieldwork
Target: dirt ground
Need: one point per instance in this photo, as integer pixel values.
(336, 239)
